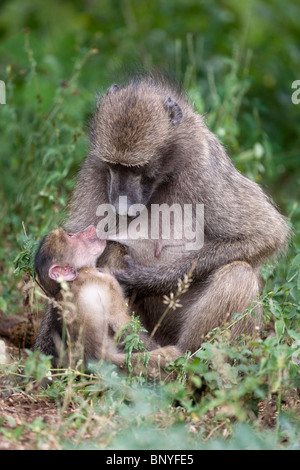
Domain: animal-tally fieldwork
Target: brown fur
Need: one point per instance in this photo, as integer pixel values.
(137, 134)
(94, 310)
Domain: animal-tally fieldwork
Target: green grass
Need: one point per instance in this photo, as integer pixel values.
(227, 396)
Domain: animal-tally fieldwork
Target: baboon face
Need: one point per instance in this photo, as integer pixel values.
(133, 136)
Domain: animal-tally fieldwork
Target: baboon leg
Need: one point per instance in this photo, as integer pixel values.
(50, 329)
(230, 290)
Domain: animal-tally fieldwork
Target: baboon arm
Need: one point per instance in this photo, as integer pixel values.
(163, 279)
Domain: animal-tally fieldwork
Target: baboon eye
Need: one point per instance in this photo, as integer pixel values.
(71, 235)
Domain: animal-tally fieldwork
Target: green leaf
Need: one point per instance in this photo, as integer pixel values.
(279, 328)
(3, 305)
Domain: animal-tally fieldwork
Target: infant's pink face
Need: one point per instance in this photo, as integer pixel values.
(85, 247)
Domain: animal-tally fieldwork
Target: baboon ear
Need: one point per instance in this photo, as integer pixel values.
(112, 89)
(68, 273)
(174, 110)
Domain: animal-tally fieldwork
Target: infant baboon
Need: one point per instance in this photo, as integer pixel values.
(96, 311)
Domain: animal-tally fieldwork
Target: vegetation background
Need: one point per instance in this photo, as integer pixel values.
(237, 60)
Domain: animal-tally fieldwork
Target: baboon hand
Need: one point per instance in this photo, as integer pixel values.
(131, 276)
